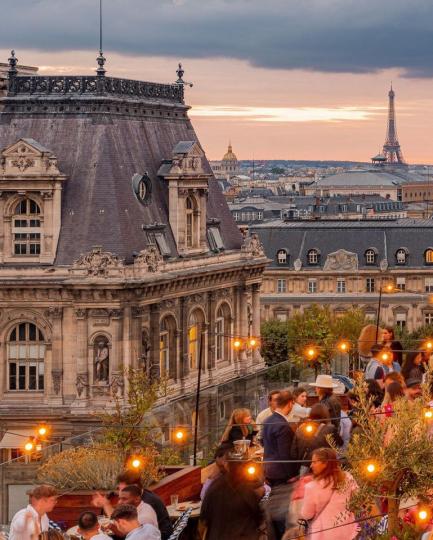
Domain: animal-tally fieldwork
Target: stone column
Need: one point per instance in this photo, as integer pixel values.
(183, 328)
(116, 360)
(243, 324)
(136, 352)
(255, 307)
(83, 380)
(55, 394)
(211, 360)
(154, 341)
(127, 345)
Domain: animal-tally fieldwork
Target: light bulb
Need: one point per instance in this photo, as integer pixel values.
(251, 470)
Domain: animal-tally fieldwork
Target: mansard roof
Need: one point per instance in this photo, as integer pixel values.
(101, 138)
(385, 237)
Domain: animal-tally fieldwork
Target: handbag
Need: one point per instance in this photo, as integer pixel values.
(305, 524)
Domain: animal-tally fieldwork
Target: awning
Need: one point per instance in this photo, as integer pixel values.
(16, 438)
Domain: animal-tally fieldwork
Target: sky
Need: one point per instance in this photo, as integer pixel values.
(282, 79)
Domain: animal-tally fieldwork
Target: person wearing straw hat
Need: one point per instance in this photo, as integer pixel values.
(324, 387)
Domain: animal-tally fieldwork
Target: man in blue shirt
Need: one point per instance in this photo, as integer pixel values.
(125, 518)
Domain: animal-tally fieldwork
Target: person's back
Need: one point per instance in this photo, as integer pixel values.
(164, 523)
(231, 511)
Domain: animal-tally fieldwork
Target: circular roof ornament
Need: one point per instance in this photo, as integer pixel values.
(142, 187)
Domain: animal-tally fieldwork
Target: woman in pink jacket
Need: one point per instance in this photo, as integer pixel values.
(326, 499)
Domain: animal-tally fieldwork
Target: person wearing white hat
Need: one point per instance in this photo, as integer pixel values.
(324, 386)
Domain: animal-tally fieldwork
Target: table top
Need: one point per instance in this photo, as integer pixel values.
(176, 511)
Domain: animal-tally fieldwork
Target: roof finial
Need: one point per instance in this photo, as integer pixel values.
(101, 59)
(180, 72)
(12, 61)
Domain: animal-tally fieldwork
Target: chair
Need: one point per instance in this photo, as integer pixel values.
(180, 524)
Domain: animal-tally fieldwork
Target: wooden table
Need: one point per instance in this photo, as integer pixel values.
(175, 513)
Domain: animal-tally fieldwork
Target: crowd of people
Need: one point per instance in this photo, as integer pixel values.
(139, 514)
(303, 476)
(302, 479)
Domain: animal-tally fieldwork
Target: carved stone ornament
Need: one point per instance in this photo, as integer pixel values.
(253, 246)
(98, 262)
(384, 265)
(56, 375)
(149, 258)
(297, 265)
(195, 299)
(23, 163)
(82, 384)
(341, 260)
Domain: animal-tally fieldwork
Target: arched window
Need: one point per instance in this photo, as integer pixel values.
(370, 256)
(313, 256)
(191, 237)
(401, 256)
(428, 256)
(282, 256)
(223, 332)
(167, 347)
(26, 228)
(26, 354)
(195, 325)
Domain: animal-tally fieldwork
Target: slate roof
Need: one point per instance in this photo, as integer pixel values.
(385, 237)
(100, 149)
(361, 178)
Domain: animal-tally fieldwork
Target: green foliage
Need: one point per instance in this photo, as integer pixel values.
(413, 341)
(400, 446)
(274, 336)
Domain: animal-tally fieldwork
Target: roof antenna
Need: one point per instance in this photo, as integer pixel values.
(180, 72)
(101, 60)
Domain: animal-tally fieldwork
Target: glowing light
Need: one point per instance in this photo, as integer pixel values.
(179, 435)
(389, 287)
(253, 342)
(423, 514)
(428, 414)
(371, 468)
(42, 431)
(385, 357)
(29, 445)
(311, 353)
(136, 463)
(309, 428)
(429, 345)
(237, 343)
(251, 470)
(343, 346)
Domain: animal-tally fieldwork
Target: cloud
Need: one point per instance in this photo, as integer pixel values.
(353, 36)
(287, 114)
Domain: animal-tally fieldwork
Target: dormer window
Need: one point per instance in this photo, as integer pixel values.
(191, 222)
(282, 256)
(313, 257)
(26, 228)
(401, 256)
(428, 256)
(370, 256)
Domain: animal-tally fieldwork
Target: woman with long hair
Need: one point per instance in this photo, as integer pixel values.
(415, 365)
(299, 410)
(326, 499)
(306, 442)
(389, 341)
(240, 426)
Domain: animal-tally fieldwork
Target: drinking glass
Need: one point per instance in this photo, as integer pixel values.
(174, 499)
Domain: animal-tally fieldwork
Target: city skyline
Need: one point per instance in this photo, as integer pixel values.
(320, 100)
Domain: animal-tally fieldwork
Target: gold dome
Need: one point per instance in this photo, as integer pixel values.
(230, 156)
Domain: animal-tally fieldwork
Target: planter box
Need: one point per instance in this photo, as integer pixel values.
(185, 482)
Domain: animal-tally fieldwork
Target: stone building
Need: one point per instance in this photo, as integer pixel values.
(228, 167)
(117, 249)
(343, 264)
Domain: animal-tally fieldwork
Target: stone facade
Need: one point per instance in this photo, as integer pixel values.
(117, 250)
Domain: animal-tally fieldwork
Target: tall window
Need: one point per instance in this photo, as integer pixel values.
(369, 284)
(400, 256)
(281, 285)
(167, 347)
(222, 332)
(191, 222)
(370, 256)
(341, 285)
(313, 256)
(428, 284)
(401, 283)
(312, 285)
(282, 256)
(428, 256)
(26, 228)
(428, 317)
(400, 320)
(26, 353)
(195, 325)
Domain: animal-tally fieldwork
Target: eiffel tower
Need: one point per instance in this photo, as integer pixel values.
(391, 149)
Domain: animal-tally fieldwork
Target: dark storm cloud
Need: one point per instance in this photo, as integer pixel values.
(353, 36)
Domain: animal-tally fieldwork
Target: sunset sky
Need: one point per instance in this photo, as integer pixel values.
(283, 79)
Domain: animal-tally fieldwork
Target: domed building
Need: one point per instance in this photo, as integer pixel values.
(117, 250)
(228, 166)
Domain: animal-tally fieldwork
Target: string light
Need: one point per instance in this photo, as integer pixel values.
(386, 356)
(179, 435)
(135, 463)
(343, 346)
(428, 344)
(428, 413)
(424, 514)
(309, 428)
(371, 468)
(253, 342)
(42, 431)
(311, 352)
(29, 446)
(237, 343)
(251, 470)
